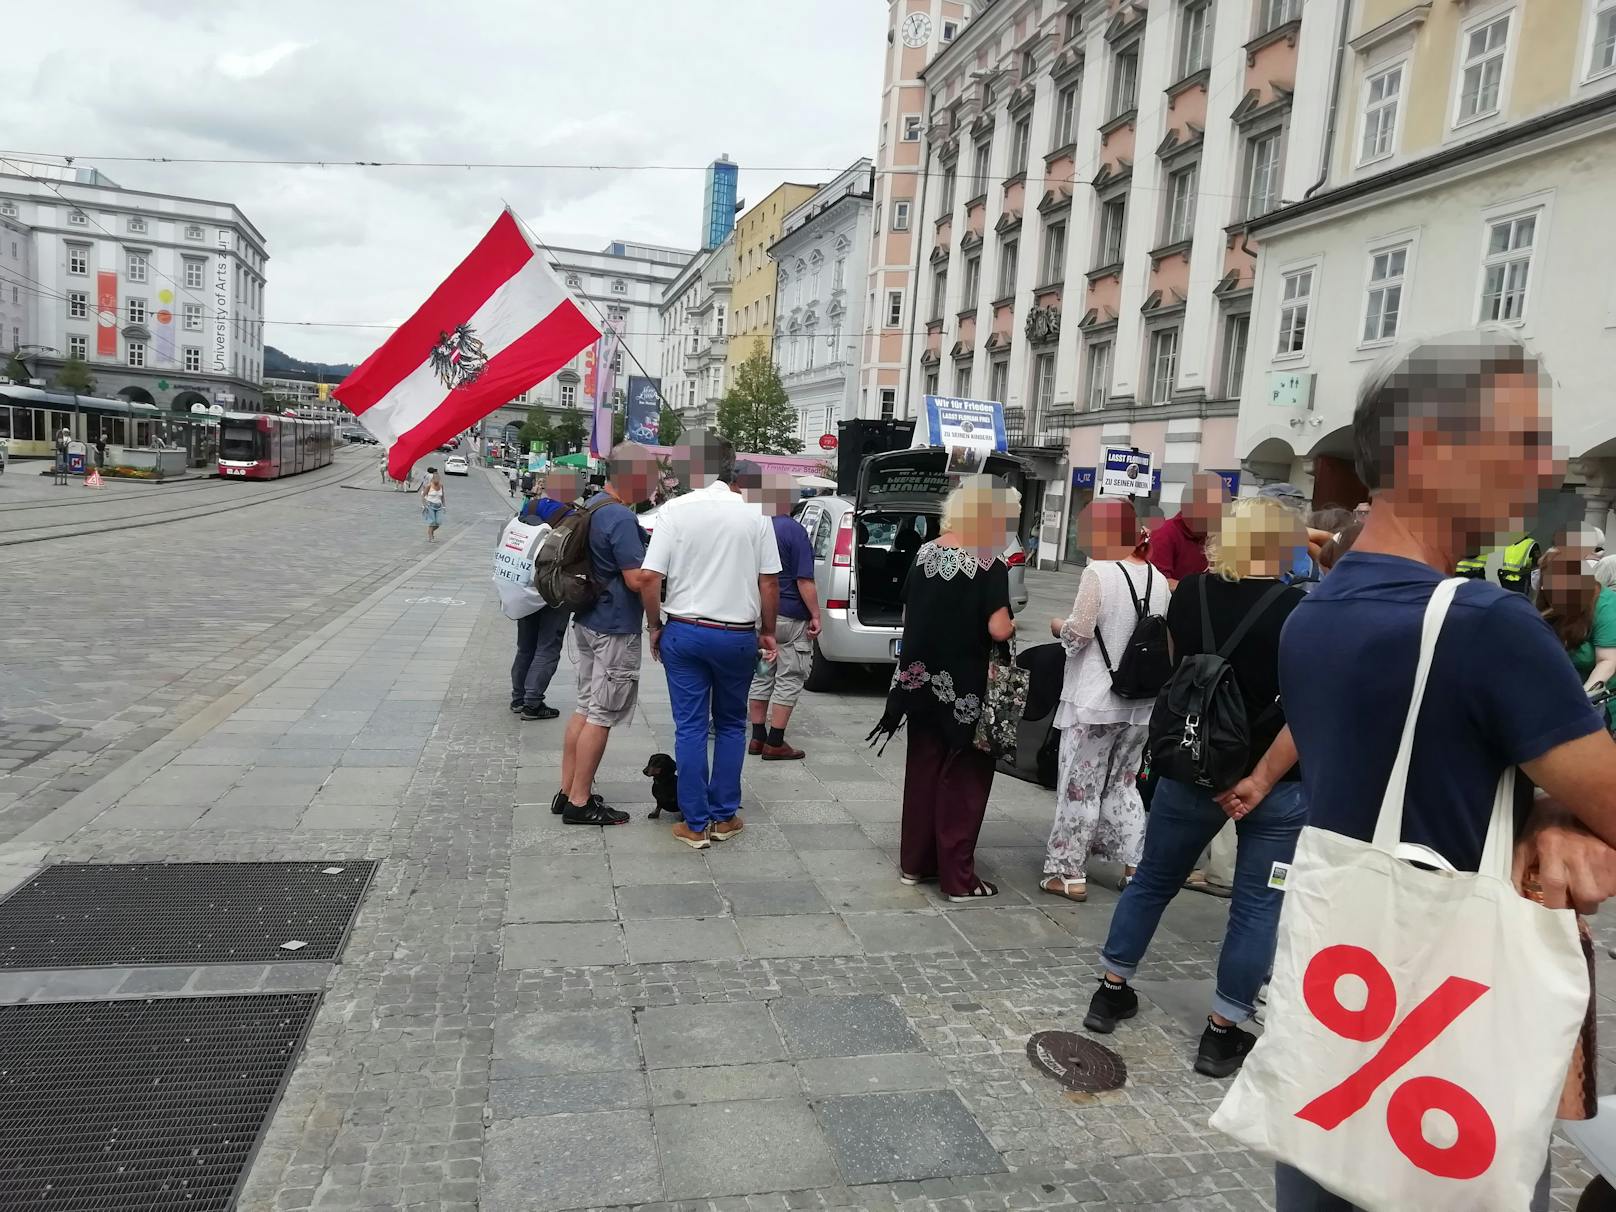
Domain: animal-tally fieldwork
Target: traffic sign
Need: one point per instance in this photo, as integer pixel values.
(827, 442)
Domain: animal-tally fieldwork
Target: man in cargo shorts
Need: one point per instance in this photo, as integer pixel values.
(775, 690)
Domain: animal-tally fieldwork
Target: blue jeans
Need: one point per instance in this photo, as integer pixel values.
(1183, 821)
(709, 673)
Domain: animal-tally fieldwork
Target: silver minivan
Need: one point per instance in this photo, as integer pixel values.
(864, 546)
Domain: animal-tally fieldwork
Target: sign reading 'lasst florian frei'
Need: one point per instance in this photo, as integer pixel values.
(221, 306)
(968, 429)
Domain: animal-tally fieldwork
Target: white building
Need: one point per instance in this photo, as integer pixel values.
(822, 259)
(162, 295)
(695, 316)
(306, 396)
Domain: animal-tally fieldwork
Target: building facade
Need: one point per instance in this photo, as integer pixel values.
(306, 396)
(718, 201)
(162, 295)
(695, 334)
(1086, 257)
(752, 298)
(822, 263)
(1469, 184)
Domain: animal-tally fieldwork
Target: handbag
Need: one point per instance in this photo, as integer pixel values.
(1421, 1021)
(1004, 702)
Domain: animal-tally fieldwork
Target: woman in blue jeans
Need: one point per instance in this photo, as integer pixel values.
(1246, 558)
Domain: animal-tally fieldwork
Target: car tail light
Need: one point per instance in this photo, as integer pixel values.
(843, 557)
(1016, 559)
(836, 604)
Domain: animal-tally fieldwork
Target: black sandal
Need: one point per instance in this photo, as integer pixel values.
(982, 890)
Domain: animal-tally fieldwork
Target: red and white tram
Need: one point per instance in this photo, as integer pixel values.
(262, 446)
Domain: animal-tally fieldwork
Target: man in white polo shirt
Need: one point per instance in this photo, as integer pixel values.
(717, 555)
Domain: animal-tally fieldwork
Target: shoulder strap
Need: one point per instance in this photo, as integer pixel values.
(1208, 641)
(1139, 605)
(1246, 624)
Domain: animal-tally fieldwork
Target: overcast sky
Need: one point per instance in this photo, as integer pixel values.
(621, 82)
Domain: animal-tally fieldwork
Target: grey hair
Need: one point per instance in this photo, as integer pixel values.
(1441, 379)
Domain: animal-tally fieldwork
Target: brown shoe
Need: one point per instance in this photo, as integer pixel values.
(687, 835)
(754, 747)
(782, 753)
(722, 831)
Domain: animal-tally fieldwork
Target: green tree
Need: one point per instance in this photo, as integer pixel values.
(669, 427)
(571, 433)
(15, 370)
(617, 427)
(755, 413)
(536, 429)
(75, 376)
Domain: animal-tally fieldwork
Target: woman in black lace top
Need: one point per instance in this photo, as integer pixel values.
(956, 607)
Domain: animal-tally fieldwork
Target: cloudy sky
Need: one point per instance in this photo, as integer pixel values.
(609, 82)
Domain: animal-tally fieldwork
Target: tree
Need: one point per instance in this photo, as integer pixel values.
(755, 414)
(75, 376)
(570, 432)
(617, 427)
(536, 429)
(669, 427)
(15, 370)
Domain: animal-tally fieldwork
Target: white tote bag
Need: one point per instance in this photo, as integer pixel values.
(513, 568)
(1420, 1022)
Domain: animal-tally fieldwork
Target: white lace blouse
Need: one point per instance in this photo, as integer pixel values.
(1104, 606)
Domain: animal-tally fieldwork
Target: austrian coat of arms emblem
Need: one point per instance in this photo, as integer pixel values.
(458, 358)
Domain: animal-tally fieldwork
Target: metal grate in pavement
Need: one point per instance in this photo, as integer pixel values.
(91, 915)
(150, 1104)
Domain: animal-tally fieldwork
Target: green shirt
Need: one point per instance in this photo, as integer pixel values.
(1601, 635)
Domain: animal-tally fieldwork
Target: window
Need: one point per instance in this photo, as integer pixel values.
(77, 218)
(619, 287)
(911, 128)
(193, 231)
(1507, 268)
(137, 353)
(931, 382)
(999, 379)
(1382, 92)
(1074, 24)
(979, 170)
(1163, 364)
(1007, 268)
(719, 317)
(136, 310)
(78, 347)
(8, 207)
(889, 403)
(1262, 174)
(1482, 69)
(1192, 39)
(193, 317)
(1113, 222)
(962, 380)
(1385, 299)
(192, 359)
(617, 363)
(78, 305)
(1180, 206)
(78, 259)
(875, 222)
(946, 200)
(973, 282)
(900, 220)
(137, 267)
(1278, 12)
(1043, 383)
(1125, 81)
(1293, 308)
(939, 293)
(1020, 143)
(1055, 253)
(894, 317)
(1236, 332)
(193, 274)
(574, 282)
(1066, 116)
(137, 224)
(1602, 56)
(1029, 64)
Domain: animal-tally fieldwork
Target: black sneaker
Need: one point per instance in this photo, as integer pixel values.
(541, 712)
(1109, 1006)
(516, 707)
(559, 804)
(1222, 1050)
(593, 813)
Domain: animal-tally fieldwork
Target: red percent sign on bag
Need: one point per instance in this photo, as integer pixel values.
(1475, 1140)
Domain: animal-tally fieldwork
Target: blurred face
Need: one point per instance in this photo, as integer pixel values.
(779, 493)
(1108, 530)
(635, 479)
(1205, 503)
(562, 485)
(985, 530)
(1563, 572)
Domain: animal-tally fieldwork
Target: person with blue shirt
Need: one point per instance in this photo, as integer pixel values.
(608, 633)
(777, 686)
(1453, 441)
(539, 636)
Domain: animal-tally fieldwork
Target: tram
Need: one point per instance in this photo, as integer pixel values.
(30, 419)
(263, 446)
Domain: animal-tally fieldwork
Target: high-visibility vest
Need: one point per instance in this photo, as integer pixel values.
(1475, 567)
(1520, 558)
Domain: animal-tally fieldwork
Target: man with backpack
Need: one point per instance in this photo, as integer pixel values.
(539, 636)
(591, 561)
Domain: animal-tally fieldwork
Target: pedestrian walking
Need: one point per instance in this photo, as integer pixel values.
(540, 635)
(1178, 546)
(1236, 610)
(1452, 440)
(779, 683)
(957, 609)
(716, 554)
(1098, 810)
(383, 468)
(607, 633)
(433, 503)
(101, 450)
(63, 437)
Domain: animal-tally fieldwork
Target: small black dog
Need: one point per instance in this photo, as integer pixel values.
(662, 770)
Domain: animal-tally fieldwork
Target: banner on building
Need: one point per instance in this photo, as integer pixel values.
(163, 326)
(609, 350)
(969, 430)
(644, 419)
(106, 314)
(222, 277)
(1125, 472)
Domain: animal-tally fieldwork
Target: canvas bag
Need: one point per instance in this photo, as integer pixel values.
(513, 568)
(1496, 979)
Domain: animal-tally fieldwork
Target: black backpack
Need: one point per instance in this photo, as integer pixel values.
(562, 572)
(1199, 733)
(1147, 661)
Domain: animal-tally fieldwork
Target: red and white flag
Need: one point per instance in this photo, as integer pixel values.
(499, 324)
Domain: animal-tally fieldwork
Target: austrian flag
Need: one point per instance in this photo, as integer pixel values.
(498, 325)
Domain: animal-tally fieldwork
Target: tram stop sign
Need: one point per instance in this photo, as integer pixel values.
(76, 452)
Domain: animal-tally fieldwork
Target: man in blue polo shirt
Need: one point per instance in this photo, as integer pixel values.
(777, 685)
(1452, 439)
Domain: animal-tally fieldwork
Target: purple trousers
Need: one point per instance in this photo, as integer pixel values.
(945, 796)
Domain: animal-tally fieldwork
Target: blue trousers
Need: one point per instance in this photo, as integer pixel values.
(1183, 821)
(709, 673)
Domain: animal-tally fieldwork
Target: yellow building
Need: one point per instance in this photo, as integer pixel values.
(752, 299)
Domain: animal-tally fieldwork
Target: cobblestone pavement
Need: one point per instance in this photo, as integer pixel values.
(529, 1016)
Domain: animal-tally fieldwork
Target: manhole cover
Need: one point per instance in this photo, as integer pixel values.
(141, 1104)
(94, 915)
(1076, 1062)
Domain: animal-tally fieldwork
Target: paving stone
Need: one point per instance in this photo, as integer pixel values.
(735, 1033)
(560, 888)
(325, 813)
(549, 1163)
(832, 1076)
(1009, 928)
(561, 945)
(860, 1025)
(773, 898)
(568, 1094)
(767, 1145)
(538, 1044)
(723, 1083)
(802, 934)
(862, 896)
(905, 933)
(668, 940)
(668, 900)
(889, 1138)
